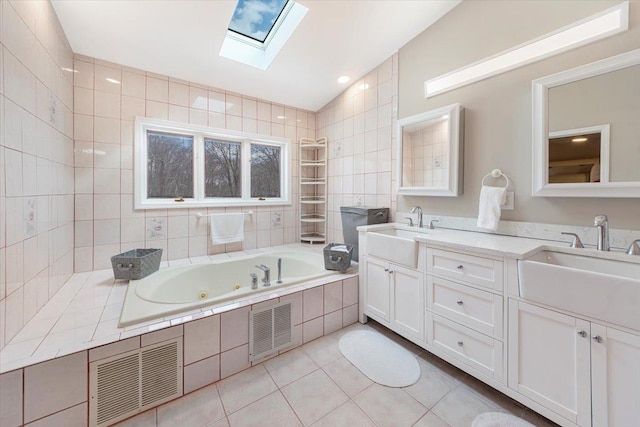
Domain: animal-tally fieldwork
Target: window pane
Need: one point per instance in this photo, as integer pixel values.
(265, 171)
(169, 165)
(256, 18)
(222, 168)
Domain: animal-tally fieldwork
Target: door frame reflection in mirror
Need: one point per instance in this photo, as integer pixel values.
(455, 130)
(540, 133)
(603, 159)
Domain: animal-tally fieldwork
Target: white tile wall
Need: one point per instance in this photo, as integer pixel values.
(36, 158)
(104, 131)
(359, 125)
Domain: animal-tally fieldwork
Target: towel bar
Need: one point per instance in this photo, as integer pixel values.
(200, 214)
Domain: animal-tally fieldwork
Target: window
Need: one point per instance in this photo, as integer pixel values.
(259, 29)
(179, 165)
(255, 18)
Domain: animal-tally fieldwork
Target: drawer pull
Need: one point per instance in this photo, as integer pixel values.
(460, 267)
(459, 302)
(582, 333)
(460, 343)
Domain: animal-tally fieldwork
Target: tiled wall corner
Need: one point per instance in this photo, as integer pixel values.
(36, 158)
(359, 125)
(106, 222)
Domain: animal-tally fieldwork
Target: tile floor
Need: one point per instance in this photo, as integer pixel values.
(314, 385)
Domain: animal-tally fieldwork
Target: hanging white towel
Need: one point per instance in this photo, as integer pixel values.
(491, 198)
(226, 228)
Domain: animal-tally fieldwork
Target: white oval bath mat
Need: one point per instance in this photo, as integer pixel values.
(379, 358)
(499, 419)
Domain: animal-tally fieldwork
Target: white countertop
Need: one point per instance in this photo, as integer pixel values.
(495, 244)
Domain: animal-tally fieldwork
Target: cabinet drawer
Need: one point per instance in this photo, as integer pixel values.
(470, 347)
(471, 269)
(475, 308)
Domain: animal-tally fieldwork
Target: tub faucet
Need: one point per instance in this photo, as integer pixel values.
(418, 209)
(254, 281)
(602, 222)
(266, 280)
(279, 270)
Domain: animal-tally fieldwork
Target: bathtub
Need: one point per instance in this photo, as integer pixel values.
(186, 288)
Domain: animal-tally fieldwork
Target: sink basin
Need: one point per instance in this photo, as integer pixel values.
(403, 234)
(395, 245)
(604, 289)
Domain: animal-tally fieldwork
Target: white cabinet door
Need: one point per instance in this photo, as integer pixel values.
(377, 292)
(549, 360)
(615, 376)
(408, 302)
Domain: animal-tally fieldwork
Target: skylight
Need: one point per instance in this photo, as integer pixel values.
(256, 18)
(259, 29)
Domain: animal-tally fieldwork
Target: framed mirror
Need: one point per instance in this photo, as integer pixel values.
(586, 130)
(430, 153)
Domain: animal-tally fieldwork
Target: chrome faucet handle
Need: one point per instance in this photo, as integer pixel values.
(600, 220)
(634, 248)
(410, 221)
(431, 227)
(254, 280)
(576, 243)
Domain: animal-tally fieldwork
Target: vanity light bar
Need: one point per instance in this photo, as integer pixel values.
(601, 25)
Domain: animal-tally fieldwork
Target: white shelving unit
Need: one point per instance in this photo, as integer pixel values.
(313, 190)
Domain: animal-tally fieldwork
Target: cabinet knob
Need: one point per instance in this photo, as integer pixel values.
(597, 338)
(460, 343)
(582, 333)
(459, 302)
(386, 270)
(391, 272)
(460, 267)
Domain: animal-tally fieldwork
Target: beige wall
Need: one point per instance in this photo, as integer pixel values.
(105, 221)
(498, 109)
(36, 161)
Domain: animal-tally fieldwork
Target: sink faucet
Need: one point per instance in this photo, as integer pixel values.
(266, 280)
(602, 222)
(418, 209)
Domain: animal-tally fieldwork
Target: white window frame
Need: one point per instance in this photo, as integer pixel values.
(199, 133)
(260, 55)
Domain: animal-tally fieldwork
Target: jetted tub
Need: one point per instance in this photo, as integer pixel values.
(189, 287)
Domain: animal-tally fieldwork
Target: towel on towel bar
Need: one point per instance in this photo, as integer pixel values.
(491, 198)
(226, 228)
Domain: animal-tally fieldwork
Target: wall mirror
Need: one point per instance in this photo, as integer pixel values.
(430, 153)
(586, 130)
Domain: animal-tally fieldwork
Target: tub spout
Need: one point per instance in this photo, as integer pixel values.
(266, 280)
(279, 270)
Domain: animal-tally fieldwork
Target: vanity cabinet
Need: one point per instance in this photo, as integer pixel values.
(394, 296)
(574, 367)
(464, 313)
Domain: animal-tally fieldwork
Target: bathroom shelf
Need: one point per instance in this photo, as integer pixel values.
(313, 190)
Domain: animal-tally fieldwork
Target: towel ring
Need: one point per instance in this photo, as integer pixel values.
(496, 173)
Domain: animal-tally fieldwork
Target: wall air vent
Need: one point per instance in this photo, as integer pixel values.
(270, 330)
(123, 385)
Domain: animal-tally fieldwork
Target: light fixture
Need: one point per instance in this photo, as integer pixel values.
(114, 81)
(343, 79)
(581, 139)
(601, 25)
